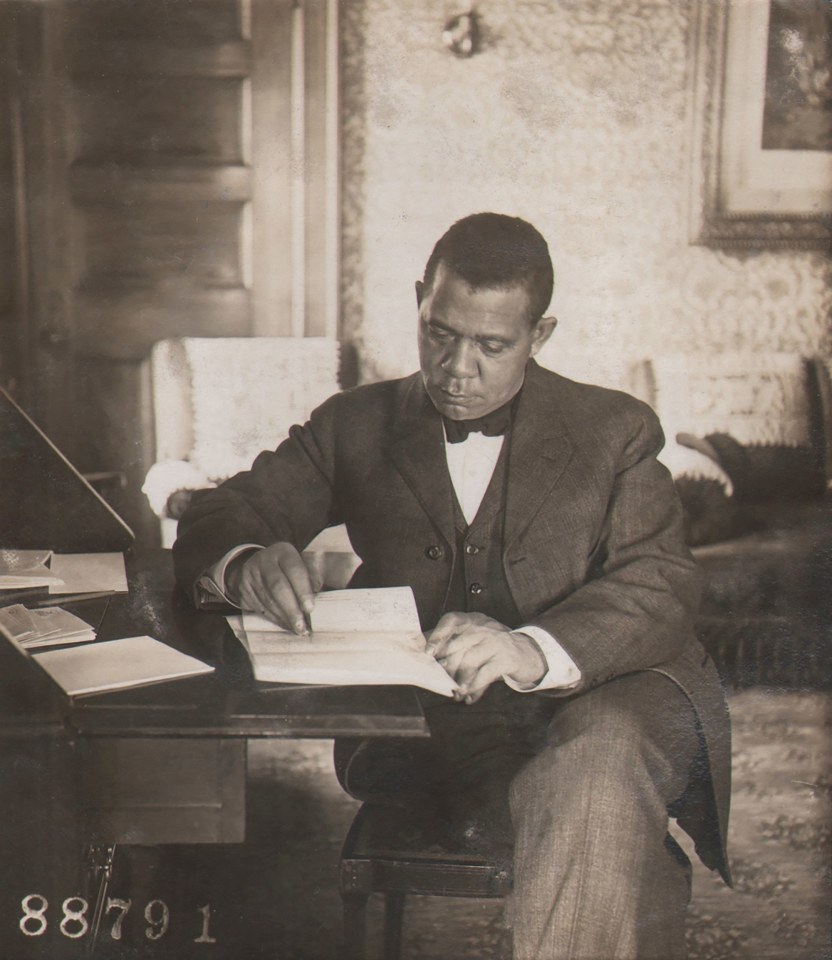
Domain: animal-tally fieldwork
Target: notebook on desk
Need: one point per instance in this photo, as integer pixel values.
(118, 665)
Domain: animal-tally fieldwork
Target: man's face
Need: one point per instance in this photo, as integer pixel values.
(474, 344)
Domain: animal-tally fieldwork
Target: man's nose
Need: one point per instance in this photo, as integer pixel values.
(460, 359)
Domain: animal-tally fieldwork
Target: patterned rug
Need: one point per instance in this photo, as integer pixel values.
(780, 836)
(277, 898)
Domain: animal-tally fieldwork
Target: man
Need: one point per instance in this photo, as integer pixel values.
(543, 543)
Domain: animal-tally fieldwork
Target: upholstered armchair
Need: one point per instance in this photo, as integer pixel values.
(217, 402)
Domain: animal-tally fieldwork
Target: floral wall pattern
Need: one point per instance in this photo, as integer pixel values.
(573, 115)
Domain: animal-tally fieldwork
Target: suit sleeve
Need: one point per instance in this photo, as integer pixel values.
(637, 605)
(287, 495)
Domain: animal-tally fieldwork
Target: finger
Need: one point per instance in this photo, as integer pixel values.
(488, 673)
(269, 591)
(262, 596)
(451, 651)
(247, 591)
(460, 650)
(263, 585)
(315, 577)
(448, 628)
(447, 625)
(284, 597)
(469, 663)
(299, 578)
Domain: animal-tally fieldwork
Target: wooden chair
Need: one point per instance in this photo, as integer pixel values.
(395, 851)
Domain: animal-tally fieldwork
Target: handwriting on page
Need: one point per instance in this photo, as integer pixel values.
(378, 610)
(389, 609)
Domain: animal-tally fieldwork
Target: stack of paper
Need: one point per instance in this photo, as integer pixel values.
(117, 665)
(62, 573)
(21, 569)
(43, 627)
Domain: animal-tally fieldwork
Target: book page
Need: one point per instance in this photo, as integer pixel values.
(259, 642)
(395, 665)
(381, 609)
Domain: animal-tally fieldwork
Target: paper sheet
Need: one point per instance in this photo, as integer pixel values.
(88, 573)
(381, 609)
(21, 569)
(117, 665)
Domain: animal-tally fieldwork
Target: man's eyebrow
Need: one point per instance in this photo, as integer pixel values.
(433, 322)
(485, 338)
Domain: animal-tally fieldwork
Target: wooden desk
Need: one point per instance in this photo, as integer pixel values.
(158, 765)
(228, 703)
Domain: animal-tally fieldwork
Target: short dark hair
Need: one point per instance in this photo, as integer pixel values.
(495, 251)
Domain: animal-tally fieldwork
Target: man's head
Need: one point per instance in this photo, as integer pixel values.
(481, 303)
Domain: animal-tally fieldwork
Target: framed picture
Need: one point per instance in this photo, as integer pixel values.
(761, 122)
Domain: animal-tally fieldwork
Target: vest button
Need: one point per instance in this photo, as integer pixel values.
(471, 549)
(476, 589)
(434, 552)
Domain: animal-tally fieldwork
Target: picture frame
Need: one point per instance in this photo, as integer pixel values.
(745, 193)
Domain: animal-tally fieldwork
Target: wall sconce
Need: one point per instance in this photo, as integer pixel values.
(461, 34)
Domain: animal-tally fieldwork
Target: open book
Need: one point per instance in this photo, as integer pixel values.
(358, 637)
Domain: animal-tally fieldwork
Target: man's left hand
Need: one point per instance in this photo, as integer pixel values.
(476, 650)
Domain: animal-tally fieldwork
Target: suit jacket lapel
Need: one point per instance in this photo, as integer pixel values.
(418, 451)
(540, 451)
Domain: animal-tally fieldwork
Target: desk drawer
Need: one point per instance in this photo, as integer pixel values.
(154, 790)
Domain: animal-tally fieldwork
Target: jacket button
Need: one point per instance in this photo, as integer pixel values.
(476, 589)
(471, 550)
(434, 552)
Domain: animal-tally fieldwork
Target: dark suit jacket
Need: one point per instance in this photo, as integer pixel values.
(593, 548)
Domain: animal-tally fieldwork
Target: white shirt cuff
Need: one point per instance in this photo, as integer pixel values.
(561, 671)
(210, 587)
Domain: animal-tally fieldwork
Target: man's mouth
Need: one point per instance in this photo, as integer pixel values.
(455, 396)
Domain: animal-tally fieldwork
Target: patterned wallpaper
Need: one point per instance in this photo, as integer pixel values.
(573, 116)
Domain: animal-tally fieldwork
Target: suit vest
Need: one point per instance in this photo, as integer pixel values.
(479, 585)
(478, 582)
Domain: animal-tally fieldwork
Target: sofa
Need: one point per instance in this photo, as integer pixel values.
(750, 449)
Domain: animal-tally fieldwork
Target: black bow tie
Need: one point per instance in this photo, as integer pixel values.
(493, 424)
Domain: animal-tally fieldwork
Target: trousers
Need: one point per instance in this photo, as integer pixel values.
(581, 795)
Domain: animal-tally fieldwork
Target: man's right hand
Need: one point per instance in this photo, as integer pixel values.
(276, 582)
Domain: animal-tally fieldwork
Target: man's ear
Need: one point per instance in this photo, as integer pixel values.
(420, 292)
(543, 329)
